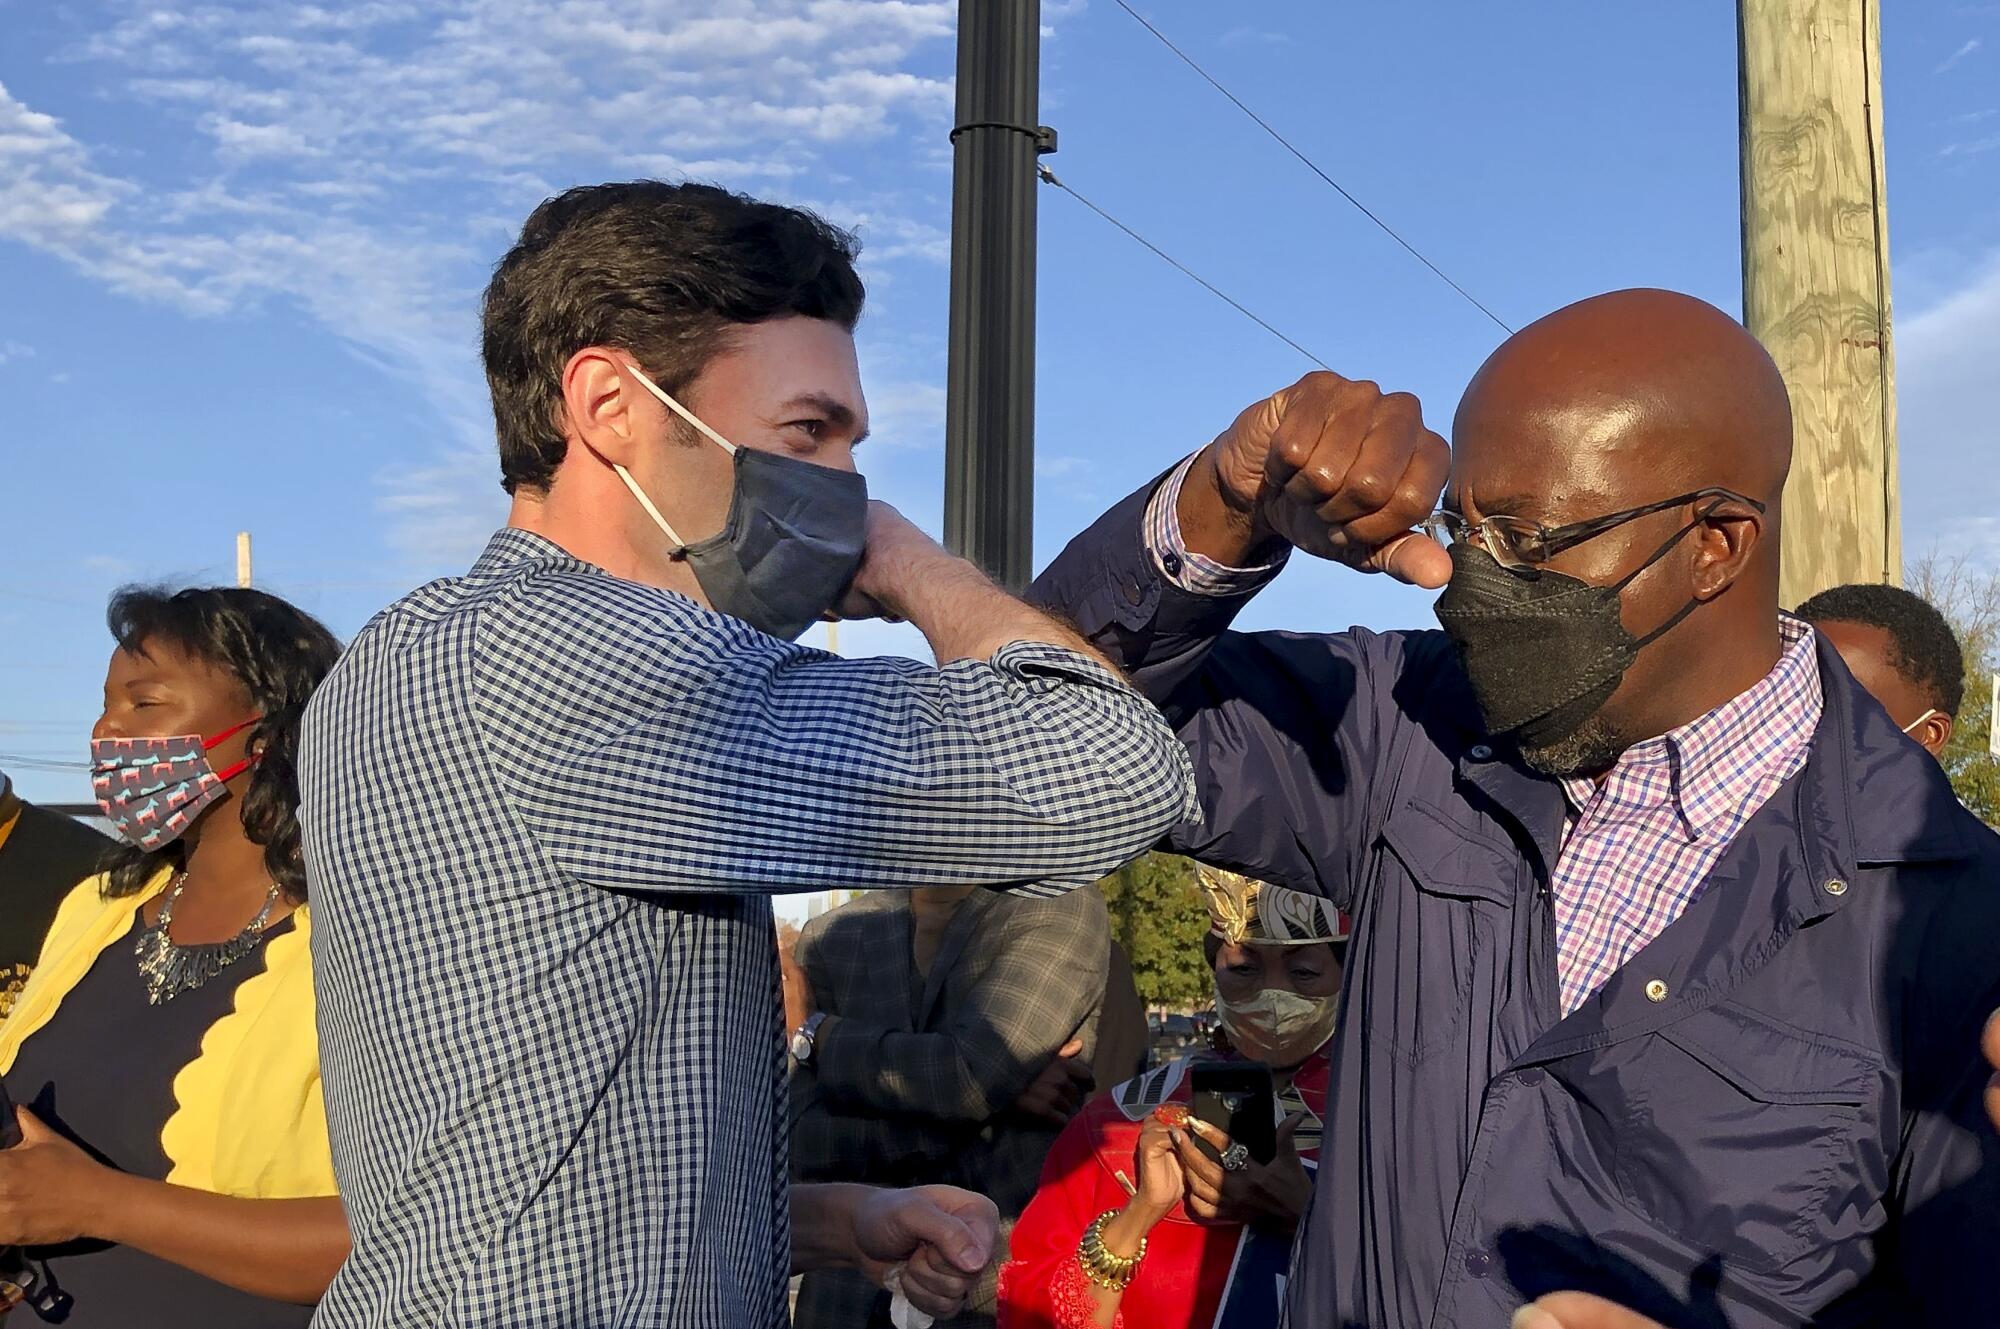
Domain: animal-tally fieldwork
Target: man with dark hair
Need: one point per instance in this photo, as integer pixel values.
(1899, 647)
(546, 803)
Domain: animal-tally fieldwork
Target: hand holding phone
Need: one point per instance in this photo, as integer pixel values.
(1237, 1098)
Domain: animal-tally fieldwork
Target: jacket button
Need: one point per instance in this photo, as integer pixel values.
(1836, 887)
(1656, 991)
(1132, 595)
(1479, 752)
(1478, 1263)
(1531, 1077)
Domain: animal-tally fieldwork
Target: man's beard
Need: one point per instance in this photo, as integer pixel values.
(1590, 750)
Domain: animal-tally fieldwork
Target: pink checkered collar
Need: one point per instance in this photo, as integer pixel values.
(1708, 766)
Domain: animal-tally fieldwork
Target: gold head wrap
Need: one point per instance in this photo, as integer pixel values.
(1243, 910)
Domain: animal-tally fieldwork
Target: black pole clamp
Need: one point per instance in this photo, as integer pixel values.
(1045, 137)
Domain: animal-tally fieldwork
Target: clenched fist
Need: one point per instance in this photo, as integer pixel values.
(1330, 465)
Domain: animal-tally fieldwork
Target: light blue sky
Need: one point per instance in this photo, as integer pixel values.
(241, 245)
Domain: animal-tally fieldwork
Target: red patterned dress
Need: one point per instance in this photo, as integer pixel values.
(1194, 1276)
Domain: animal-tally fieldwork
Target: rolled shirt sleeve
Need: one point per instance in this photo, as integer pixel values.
(672, 755)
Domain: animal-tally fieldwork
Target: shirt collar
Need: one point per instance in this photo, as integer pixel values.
(1705, 767)
(511, 545)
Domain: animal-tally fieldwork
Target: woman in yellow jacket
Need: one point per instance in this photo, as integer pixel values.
(174, 1167)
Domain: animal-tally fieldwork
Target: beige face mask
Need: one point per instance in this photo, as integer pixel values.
(1920, 719)
(1278, 1026)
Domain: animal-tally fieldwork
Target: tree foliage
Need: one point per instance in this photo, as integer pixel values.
(1969, 597)
(1158, 917)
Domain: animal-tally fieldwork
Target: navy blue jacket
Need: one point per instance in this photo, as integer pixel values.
(1793, 1136)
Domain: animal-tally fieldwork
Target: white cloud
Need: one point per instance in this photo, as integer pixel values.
(1948, 403)
(906, 414)
(1054, 468)
(1255, 37)
(365, 162)
(14, 350)
(109, 567)
(1969, 48)
(1970, 147)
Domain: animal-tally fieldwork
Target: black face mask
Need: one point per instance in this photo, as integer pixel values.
(1543, 650)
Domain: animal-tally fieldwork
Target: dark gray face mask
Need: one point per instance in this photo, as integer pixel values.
(1543, 650)
(795, 535)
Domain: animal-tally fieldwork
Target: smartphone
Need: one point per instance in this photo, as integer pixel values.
(1237, 1099)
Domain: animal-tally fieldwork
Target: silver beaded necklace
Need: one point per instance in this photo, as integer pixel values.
(171, 969)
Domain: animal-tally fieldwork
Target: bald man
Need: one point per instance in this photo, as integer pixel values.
(1668, 949)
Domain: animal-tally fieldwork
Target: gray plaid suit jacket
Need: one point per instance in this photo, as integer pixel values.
(913, 1080)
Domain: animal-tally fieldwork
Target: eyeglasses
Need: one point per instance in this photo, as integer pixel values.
(1516, 542)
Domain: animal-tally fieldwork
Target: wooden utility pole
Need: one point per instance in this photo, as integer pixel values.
(243, 558)
(1816, 278)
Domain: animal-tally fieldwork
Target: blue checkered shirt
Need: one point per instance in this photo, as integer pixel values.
(544, 809)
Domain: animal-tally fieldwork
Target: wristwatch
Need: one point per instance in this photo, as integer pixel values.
(804, 1036)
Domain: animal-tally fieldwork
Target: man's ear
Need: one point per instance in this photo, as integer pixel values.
(1934, 732)
(1725, 542)
(598, 400)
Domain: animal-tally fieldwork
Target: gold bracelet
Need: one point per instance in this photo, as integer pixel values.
(1099, 1265)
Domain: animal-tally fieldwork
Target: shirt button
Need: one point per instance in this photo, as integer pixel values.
(1836, 887)
(1479, 752)
(1531, 1077)
(1172, 564)
(1656, 991)
(1478, 1263)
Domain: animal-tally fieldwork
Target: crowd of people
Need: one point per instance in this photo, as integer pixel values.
(1614, 956)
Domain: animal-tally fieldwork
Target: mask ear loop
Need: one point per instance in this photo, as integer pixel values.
(1618, 587)
(680, 546)
(249, 759)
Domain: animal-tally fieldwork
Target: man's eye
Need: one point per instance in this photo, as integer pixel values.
(814, 429)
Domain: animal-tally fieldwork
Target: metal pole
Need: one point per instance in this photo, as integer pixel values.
(243, 558)
(990, 383)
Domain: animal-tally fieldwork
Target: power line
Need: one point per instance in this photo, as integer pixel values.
(1311, 165)
(22, 761)
(1049, 177)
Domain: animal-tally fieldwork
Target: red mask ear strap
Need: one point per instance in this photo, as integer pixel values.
(227, 775)
(241, 766)
(234, 729)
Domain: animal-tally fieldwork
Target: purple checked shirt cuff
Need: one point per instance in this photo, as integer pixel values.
(1194, 573)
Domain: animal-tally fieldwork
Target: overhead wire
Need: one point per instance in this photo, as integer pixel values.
(1312, 165)
(22, 761)
(1049, 177)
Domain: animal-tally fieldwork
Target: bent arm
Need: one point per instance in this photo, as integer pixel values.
(777, 768)
(1286, 730)
(286, 1250)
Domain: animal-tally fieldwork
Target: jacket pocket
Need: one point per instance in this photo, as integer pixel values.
(1442, 901)
(1738, 1130)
